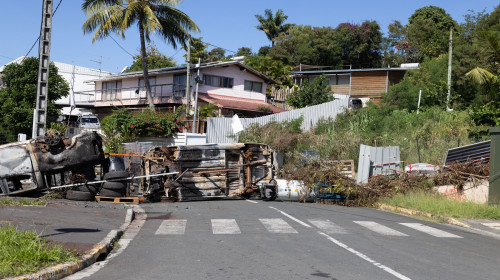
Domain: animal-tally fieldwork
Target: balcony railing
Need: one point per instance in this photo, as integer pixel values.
(174, 92)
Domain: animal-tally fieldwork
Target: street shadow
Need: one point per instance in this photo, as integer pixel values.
(71, 230)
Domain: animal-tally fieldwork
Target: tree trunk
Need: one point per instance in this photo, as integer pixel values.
(145, 66)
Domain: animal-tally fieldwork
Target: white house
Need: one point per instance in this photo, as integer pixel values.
(77, 78)
(232, 86)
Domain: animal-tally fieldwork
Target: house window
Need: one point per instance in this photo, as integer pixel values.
(218, 81)
(142, 87)
(179, 87)
(111, 90)
(253, 86)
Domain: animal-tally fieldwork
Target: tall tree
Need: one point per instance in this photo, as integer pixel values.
(425, 36)
(198, 50)
(18, 98)
(273, 25)
(155, 60)
(151, 16)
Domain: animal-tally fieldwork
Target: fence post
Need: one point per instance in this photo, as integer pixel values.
(494, 188)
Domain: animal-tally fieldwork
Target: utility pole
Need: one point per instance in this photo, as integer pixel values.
(196, 96)
(450, 53)
(40, 113)
(188, 81)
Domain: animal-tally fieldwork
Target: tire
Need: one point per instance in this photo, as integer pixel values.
(114, 185)
(89, 188)
(112, 193)
(115, 175)
(79, 195)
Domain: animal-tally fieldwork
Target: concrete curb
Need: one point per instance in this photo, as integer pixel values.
(411, 212)
(448, 220)
(93, 255)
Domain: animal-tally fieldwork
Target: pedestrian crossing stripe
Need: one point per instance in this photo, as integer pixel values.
(278, 225)
(430, 230)
(172, 227)
(225, 226)
(381, 229)
(327, 226)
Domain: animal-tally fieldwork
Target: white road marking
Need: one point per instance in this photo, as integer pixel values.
(328, 226)
(172, 227)
(292, 217)
(378, 228)
(251, 201)
(430, 230)
(225, 226)
(277, 226)
(129, 234)
(492, 225)
(366, 258)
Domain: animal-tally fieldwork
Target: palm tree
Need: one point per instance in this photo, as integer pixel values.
(273, 25)
(106, 16)
(481, 75)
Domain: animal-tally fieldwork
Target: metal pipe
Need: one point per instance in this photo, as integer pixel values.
(113, 180)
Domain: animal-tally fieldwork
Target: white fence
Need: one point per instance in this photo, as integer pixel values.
(219, 130)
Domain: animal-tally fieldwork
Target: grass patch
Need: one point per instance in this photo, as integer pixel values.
(21, 202)
(438, 204)
(25, 252)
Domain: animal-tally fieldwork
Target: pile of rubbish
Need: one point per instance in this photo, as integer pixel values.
(384, 185)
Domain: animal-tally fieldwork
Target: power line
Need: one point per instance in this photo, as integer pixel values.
(121, 46)
(38, 39)
(218, 47)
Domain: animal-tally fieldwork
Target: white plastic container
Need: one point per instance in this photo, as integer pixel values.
(293, 190)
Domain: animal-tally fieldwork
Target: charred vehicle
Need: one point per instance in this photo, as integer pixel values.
(242, 170)
(49, 161)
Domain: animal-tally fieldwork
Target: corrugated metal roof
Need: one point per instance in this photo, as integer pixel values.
(347, 71)
(469, 153)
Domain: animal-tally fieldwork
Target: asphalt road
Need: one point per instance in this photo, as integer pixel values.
(277, 240)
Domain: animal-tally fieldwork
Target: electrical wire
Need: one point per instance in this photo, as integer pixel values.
(218, 47)
(38, 39)
(121, 46)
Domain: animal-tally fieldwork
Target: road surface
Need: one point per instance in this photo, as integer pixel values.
(283, 240)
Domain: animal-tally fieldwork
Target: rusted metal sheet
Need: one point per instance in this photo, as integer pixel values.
(208, 171)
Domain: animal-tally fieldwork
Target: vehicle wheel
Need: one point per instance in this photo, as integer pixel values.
(80, 196)
(89, 188)
(114, 185)
(112, 193)
(115, 175)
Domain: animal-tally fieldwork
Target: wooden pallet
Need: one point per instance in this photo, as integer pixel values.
(129, 200)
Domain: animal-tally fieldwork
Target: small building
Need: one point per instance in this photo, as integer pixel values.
(365, 84)
(76, 76)
(232, 86)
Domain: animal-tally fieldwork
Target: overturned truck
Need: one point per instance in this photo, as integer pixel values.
(38, 164)
(200, 172)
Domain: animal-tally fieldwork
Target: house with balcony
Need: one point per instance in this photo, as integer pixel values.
(232, 86)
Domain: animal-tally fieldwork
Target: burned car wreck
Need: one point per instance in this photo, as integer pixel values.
(228, 171)
(49, 161)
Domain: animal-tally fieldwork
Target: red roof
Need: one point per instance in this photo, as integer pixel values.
(237, 103)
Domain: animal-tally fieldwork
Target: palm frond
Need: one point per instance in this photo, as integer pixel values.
(480, 75)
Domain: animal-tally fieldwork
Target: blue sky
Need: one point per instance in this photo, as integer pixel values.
(229, 24)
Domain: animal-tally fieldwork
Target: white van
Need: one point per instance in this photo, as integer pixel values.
(89, 122)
